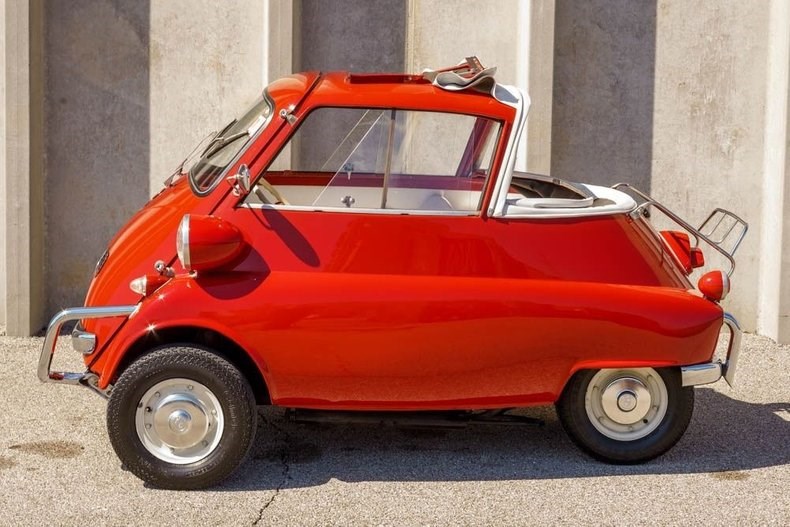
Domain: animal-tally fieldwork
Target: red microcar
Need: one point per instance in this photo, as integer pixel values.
(363, 243)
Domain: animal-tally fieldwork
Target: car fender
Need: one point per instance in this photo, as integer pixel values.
(179, 303)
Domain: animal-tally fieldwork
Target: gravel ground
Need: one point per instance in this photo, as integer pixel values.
(732, 467)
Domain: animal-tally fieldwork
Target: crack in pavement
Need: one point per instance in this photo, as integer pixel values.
(284, 459)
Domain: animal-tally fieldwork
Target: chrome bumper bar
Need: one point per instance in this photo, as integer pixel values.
(84, 342)
(713, 371)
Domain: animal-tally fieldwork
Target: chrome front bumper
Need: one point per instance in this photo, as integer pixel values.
(713, 371)
(82, 341)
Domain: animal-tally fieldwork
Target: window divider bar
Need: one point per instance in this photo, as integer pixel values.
(388, 162)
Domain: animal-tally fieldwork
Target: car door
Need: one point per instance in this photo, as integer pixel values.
(383, 287)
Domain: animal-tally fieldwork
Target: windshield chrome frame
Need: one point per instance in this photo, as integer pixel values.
(224, 174)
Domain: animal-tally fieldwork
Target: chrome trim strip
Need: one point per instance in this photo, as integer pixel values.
(182, 242)
(51, 338)
(399, 212)
(733, 349)
(700, 374)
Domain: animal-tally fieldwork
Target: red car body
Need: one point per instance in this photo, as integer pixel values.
(372, 310)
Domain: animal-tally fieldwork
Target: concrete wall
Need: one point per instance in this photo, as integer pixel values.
(774, 311)
(373, 40)
(709, 123)
(21, 137)
(98, 140)
(535, 34)
(515, 36)
(687, 100)
(206, 67)
(440, 34)
(675, 103)
(353, 35)
(125, 102)
(3, 192)
(604, 77)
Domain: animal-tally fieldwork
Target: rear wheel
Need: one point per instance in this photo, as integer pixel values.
(626, 415)
(181, 418)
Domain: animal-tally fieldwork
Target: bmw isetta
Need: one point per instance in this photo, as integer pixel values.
(363, 242)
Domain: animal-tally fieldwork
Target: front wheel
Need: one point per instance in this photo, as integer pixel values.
(627, 415)
(181, 418)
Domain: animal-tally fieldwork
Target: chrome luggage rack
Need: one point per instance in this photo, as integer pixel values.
(719, 227)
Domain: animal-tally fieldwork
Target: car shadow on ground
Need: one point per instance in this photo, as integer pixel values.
(726, 436)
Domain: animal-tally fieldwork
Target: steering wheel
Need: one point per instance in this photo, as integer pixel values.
(271, 190)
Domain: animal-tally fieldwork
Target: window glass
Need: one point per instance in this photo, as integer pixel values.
(224, 147)
(383, 159)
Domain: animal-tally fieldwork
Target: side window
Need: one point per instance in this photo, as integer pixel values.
(373, 159)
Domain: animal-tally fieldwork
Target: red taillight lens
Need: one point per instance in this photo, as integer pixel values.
(681, 248)
(147, 284)
(697, 258)
(714, 285)
(689, 258)
(204, 243)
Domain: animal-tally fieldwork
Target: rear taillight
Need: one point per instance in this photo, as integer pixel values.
(714, 285)
(688, 257)
(697, 258)
(207, 243)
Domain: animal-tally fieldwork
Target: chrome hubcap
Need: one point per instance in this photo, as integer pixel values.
(626, 404)
(626, 400)
(179, 421)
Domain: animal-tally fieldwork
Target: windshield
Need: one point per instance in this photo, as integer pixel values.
(224, 148)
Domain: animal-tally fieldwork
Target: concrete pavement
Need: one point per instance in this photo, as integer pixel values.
(733, 465)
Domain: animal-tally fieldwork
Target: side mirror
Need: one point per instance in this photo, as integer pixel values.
(241, 181)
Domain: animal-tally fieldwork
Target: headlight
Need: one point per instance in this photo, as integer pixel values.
(208, 243)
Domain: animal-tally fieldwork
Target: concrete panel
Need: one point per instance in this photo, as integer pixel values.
(442, 33)
(602, 120)
(278, 39)
(709, 122)
(3, 192)
(207, 67)
(353, 35)
(771, 234)
(97, 143)
(516, 37)
(21, 152)
(537, 53)
(126, 102)
(783, 323)
(36, 243)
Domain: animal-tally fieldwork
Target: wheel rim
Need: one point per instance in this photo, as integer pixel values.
(626, 404)
(179, 421)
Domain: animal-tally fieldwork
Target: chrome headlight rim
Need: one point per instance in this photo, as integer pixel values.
(182, 242)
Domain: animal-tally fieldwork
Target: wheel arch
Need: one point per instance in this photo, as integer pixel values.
(209, 339)
(581, 366)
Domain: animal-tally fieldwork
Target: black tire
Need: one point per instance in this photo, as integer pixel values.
(573, 413)
(237, 411)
